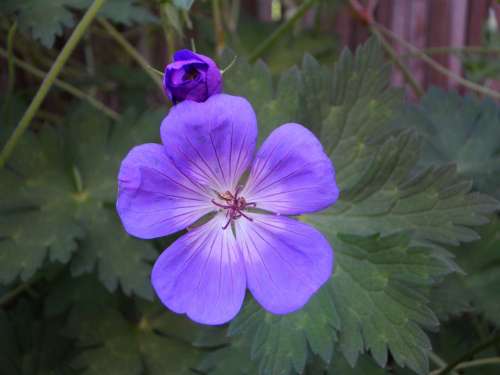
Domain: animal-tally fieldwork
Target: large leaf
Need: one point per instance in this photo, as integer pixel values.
(46, 19)
(381, 277)
(464, 131)
(58, 191)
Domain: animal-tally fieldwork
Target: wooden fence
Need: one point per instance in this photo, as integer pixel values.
(423, 23)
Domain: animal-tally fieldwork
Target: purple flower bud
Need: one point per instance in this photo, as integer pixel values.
(191, 76)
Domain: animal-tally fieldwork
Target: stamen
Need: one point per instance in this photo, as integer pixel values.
(235, 205)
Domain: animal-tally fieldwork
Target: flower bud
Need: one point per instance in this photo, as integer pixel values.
(191, 76)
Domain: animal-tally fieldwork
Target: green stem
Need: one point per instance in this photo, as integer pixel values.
(440, 362)
(479, 362)
(10, 58)
(49, 79)
(127, 47)
(10, 71)
(64, 86)
(281, 31)
(477, 349)
(437, 66)
(419, 92)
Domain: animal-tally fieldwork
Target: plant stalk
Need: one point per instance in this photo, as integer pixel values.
(127, 47)
(477, 349)
(437, 66)
(49, 79)
(65, 86)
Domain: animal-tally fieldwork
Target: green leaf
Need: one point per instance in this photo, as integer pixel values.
(63, 190)
(381, 277)
(281, 343)
(36, 207)
(464, 131)
(46, 19)
(30, 345)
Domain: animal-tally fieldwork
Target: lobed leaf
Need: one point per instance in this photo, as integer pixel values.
(62, 190)
(47, 19)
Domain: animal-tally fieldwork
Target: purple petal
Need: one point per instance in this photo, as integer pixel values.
(202, 274)
(213, 141)
(154, 197)
(286, 261)
(291, 174)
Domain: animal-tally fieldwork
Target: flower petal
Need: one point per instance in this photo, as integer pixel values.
(213, 141)
(202, 274)
(291, 173)
(154, 197)
(286, 261)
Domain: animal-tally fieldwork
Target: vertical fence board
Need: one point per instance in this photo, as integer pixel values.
(418, 37)
(400, 26)
(478, 12)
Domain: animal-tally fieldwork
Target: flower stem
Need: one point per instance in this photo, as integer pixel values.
(64, 86)
(437, 66)
(477, 349)
(49, 79)
(281, 31)
(440, 362)
(127, 47)
(402, 67)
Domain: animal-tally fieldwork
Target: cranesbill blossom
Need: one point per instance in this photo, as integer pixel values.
(206, 168)
(191, 76)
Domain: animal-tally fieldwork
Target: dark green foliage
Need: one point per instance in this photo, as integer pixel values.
(47, 19)
(61, 189)
(465, 131)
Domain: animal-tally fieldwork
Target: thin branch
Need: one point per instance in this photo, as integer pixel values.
(63, 56)
(127, 47)
(477, 349)
(440, 362)
(64, 86)
(281, 31)
(455, 50)
(11, 72)
(402, 67)
(437, 66)
(474, 363)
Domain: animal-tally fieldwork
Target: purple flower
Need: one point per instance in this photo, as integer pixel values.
(191, 77)
(247, 242)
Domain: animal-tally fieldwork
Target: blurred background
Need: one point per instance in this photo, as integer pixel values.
(459, 35)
